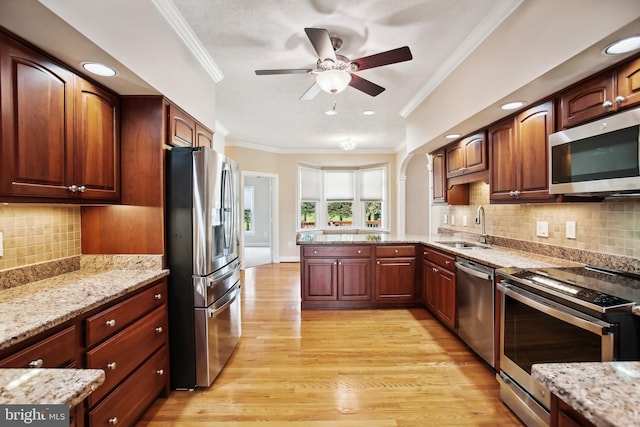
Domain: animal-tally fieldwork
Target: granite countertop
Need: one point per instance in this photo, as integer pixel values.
(606, 393)
(492, 255)
(48, 386)
(30, 309)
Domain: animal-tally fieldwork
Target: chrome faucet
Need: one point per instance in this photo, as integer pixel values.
(480, 220)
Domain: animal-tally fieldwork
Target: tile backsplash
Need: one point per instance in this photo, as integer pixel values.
(35, 233)
(611, 227)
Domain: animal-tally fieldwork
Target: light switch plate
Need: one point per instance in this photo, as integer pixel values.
(453, 220)
(542, 229)
(570, 231)
(464, 221)
(445, 219)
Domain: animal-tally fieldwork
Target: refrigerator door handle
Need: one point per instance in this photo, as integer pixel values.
(228, 300)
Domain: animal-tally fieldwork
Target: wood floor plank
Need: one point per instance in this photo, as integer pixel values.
(356, 368)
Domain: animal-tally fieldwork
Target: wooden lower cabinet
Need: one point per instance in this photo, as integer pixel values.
(563, 415)
(58, 350)
(395, 274)
(440, 286)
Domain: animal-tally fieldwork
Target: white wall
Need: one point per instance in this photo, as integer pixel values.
(417, 196)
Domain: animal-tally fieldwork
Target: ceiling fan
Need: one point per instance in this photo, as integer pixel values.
(335, 72)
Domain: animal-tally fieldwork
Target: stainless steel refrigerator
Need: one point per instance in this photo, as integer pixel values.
(203, 231)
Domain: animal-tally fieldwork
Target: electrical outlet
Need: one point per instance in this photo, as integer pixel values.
(570, 230)
(290, 244)
(453, 220)
(464, 221)
(445, 219)
(542, 229)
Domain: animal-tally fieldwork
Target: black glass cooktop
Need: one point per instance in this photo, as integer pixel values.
(603, 288)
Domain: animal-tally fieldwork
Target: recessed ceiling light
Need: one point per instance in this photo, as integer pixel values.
(368, 112)
(99, 69)
(453, 136)
(623, 46)
(512, 105)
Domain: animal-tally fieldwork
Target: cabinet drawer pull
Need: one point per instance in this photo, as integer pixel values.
(38, 363)
(160, 372)
(159, 329)
(110, 323)
(315, 252)
(378, 262)
(158, 296)
(395, 251)
(607, 104)
(82, 189)
(620, 99)
(435, 269)
(113, 421)
(73, 188)
(112, 366)
(447, 262)
(359, 251)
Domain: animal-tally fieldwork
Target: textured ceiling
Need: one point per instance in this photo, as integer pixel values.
(246, 35)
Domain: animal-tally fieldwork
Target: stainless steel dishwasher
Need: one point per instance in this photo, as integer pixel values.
(475, 298)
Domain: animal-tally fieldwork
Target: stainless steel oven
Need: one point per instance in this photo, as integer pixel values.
(559, 315)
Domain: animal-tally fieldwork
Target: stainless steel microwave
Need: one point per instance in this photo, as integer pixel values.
(600, 157)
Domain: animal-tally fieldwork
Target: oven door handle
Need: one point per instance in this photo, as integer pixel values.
(592, 324)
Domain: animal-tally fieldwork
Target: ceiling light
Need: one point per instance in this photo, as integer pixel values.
(99, 69)
(512, 105)
(333, 81)
(348, 145)
(453, 136)
(623, 46)
(368, 112)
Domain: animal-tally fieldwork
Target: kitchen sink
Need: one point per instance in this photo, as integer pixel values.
(464, 245)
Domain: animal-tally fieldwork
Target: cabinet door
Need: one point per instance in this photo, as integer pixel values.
(587, 101)
(96, 154)
(204, 138)
(455, 160)
(446, 297)
(439, 178)
(354, 277)
(182, 128)
(504, 155)
(430, 279)
(396, 279)
(629, 84)
(320, 279)
(36, 102)
(534, 127)
(475, 153)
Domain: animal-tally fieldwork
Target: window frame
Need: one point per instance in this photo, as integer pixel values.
(251, 189)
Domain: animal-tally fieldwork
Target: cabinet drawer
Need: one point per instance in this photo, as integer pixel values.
(57, 351)
(120, 315)
(441, 259)
(393, 251)
(121, 354)
(133, 396)
(336, 251)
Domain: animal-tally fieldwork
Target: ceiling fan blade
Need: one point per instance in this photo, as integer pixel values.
(365, 85)
(319, 38)
(400, 54)
(310, 93)
(284, 71)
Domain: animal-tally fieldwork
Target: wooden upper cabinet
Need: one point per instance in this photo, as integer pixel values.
(182, 128)
(439, 177)
(519, 156)
(37, 123)
(59, 132)
(467, 156)
(628, 77)
(96, 151)
(600, 95)
(588, 101)
(204, 137)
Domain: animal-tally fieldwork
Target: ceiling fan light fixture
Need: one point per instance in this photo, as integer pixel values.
(333, 81)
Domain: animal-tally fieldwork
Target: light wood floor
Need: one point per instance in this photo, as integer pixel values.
(372, 368)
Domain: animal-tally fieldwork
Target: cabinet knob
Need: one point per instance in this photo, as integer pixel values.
(620, 99)
(160, 372)
(110, 323)
(607, 104)
(113, 421)
(159, 329)
(112, 366)
(447, 262)
(359, 251)
(378, 262)
(435, 270)
(82, 189)
(38, 363)
(73, 188)
(315, 252)
(158, 296)
(395, 251)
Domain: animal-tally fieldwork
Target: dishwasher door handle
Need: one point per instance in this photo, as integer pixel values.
(474, 272)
